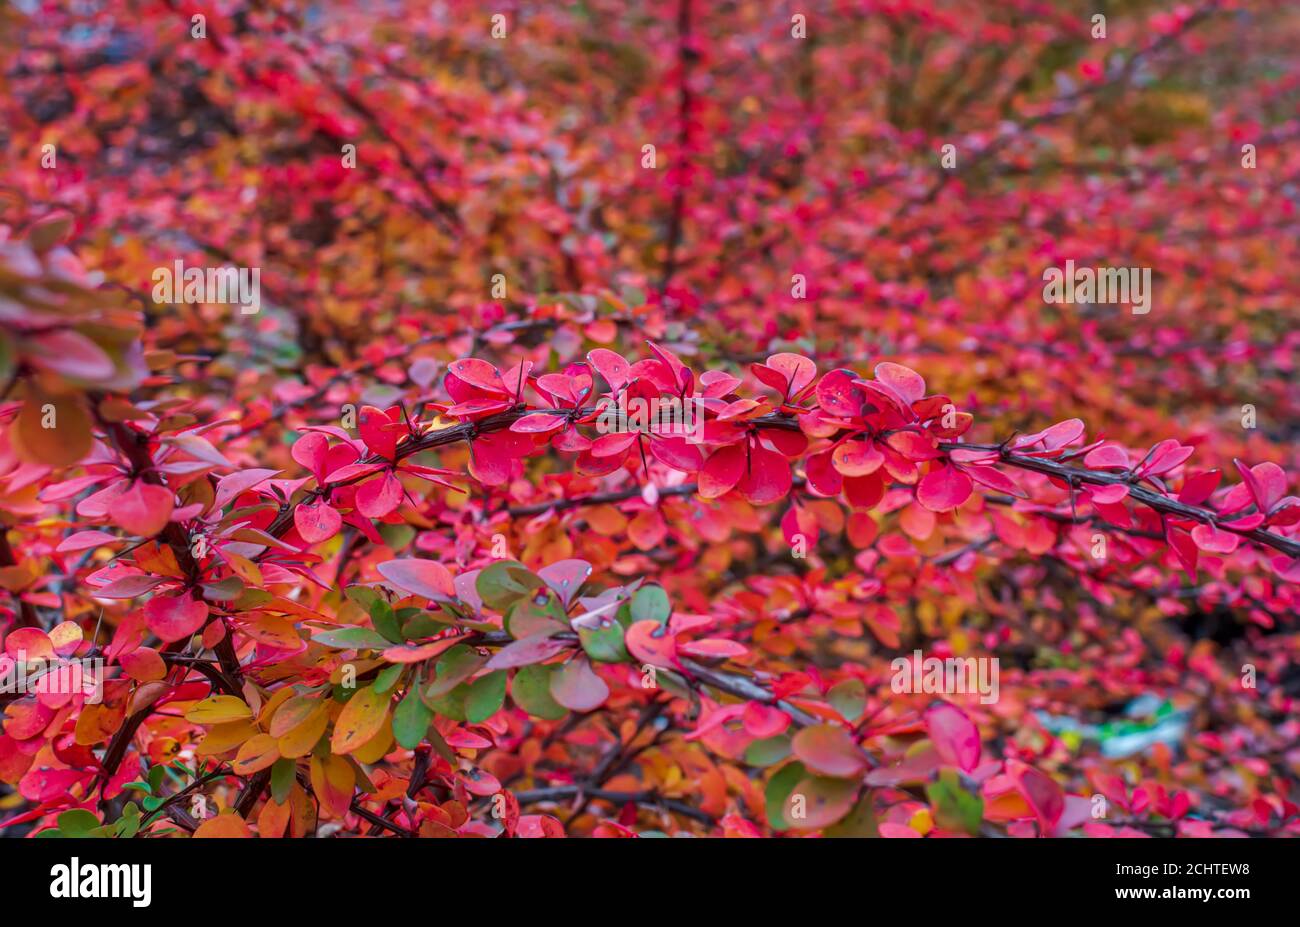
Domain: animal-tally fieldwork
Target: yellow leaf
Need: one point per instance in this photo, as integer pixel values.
(274, 631)
(223, 737)
(257, 753)
(246, 569)
(333, 780)
(361, 719)
(218, 709)
(374, 749)
(298, 740)
(278, 698)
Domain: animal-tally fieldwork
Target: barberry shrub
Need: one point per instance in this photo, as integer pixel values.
(605, 421)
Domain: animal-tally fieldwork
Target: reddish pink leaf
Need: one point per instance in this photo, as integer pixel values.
(767, 477)
(829, 750)
(174, 618)
(956, 738)
(380, 432)
(311, 450)
(722, 471)
(143, 509)
(943, 489)
(419, 577)
(377, 497)
(652, 643)
(1107, 457)
(1040, 791)
(86, 540)
(797, 370)
(611, 366)
(903, 380)
(577, 687)
(318, 522)
(527, 651)
(479, 374)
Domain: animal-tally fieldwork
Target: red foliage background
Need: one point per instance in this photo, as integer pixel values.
(367, 561)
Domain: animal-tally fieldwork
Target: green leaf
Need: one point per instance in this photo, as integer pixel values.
(534, 614)
(849, 698)
(386, 678)
(128, 825)
(651, 604)
(251, 599)
(501, 583)
(454, 667)
(826, 800)
(423, 624)
(226, 590)
(397, 537)
(283, 775)
(385, 621)
(604, 642)
(778, 792)
(365, 596)
(860, 822)
(531, 691)
(77, 823)
(486, 695)
(451, 705)
(440, 745)
(353, 639)
(156, 777)
(411, 720)
(954, 807)
(769, 751)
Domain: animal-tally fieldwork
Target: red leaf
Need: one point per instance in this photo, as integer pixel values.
(1215, 540)
(1197, 487)
(835, 394)
(798, 371)
(857, 458)
(479, 374)
(378, 497)
(956, 738)
(538, 423)
(577, 687)
(650, 642)
(611, 366)
(764, 720)
(527, 651)
(822, 475)
(994, 479)
(1266, 481)
(566, 577)
(311, 451)
(316, 523)
(379, 431)
(1041, 792)
(174, 618)
(85, 540)
(1107, 457)
(903, 380)
(420, 577)
(829, 750)
(943, 489)
(722, 471)
(767, 478)
(713, 648)
(143, 509)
